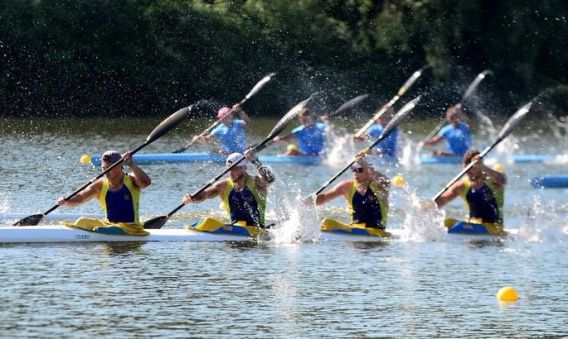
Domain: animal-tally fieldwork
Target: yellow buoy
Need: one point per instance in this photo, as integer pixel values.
(85, 159)
(398, 180)
(499, 167)
(507, 294)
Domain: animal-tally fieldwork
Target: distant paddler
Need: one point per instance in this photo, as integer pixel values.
(387, 147)
(367, 196)
(457, 134)
(482, 191)
(242, 195)
(310, 137)
(118, 194)
(231, 133)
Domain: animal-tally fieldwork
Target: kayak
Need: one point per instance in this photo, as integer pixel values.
(197, 157)
(517, 159)
(550, 181)
(208, 229)
(156, 158)
(64, 234)
(463, 227)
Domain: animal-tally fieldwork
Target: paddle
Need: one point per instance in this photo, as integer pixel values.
(349, 105)
(252, 92)
(163, 128)
(395, 121)
(468, 92)
(505, 131)
(409, 82)
(158, 222)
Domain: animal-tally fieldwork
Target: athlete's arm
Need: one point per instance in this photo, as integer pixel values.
(208, 193)
(140, 178)
(434, 140)
(242, 114)
(498, 178)
(286, 138)
(82, 197)
(449, 195)
(340, 189)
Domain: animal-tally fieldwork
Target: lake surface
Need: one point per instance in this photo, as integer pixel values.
(419, 284)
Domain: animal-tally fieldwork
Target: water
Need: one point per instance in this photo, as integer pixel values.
(420, 284)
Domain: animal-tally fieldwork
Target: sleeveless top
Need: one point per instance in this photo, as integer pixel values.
(121, 205)
(485, 203)
(367, 208)
(246, 204)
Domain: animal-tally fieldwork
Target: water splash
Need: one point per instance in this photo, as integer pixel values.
(340, 147)
(540, 225)
(295, 222)
(422, 220)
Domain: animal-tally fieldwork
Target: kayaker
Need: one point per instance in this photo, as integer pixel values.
(231, 133)
(310, 136)
(243, 196)
(482, 190)
(118, 193)
(388, 146)
(367, 195)
(457, 134)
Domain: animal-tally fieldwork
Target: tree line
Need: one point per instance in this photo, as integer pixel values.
(151, 57)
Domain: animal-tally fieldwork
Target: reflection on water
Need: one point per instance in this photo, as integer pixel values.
(121, 248)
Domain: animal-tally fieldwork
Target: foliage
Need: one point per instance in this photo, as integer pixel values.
(127, 57)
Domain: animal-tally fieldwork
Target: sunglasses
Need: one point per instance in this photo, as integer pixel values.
(357, 169)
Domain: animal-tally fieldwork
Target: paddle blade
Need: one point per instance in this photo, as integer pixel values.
(287, 118)
(156, 223)
(168, 124)
(473, 86)
(258, 87)
(349, 104)
(410, 81)
(31, 220)
(514, 120)
(401, 115)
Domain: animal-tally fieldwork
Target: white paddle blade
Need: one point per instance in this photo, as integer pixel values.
(259, 85)
(289, 116)
(514, 120)
(402, 113)
(478, 79)
(411, 80)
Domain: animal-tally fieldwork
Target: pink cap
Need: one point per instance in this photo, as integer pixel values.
(223, 111)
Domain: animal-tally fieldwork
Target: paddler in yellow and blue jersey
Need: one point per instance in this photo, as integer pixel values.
(118, 193)
(367, 195)
(310, 136)
(243, 196)
(482, 190)
(231, 133)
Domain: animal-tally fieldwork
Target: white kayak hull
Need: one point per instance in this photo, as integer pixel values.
(59, 234)
(63, 234)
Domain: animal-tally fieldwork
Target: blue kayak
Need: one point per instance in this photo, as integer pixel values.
(156, 158)
(517, 159)
(550, 181)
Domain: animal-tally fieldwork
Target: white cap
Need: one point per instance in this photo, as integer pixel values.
(234, 157)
